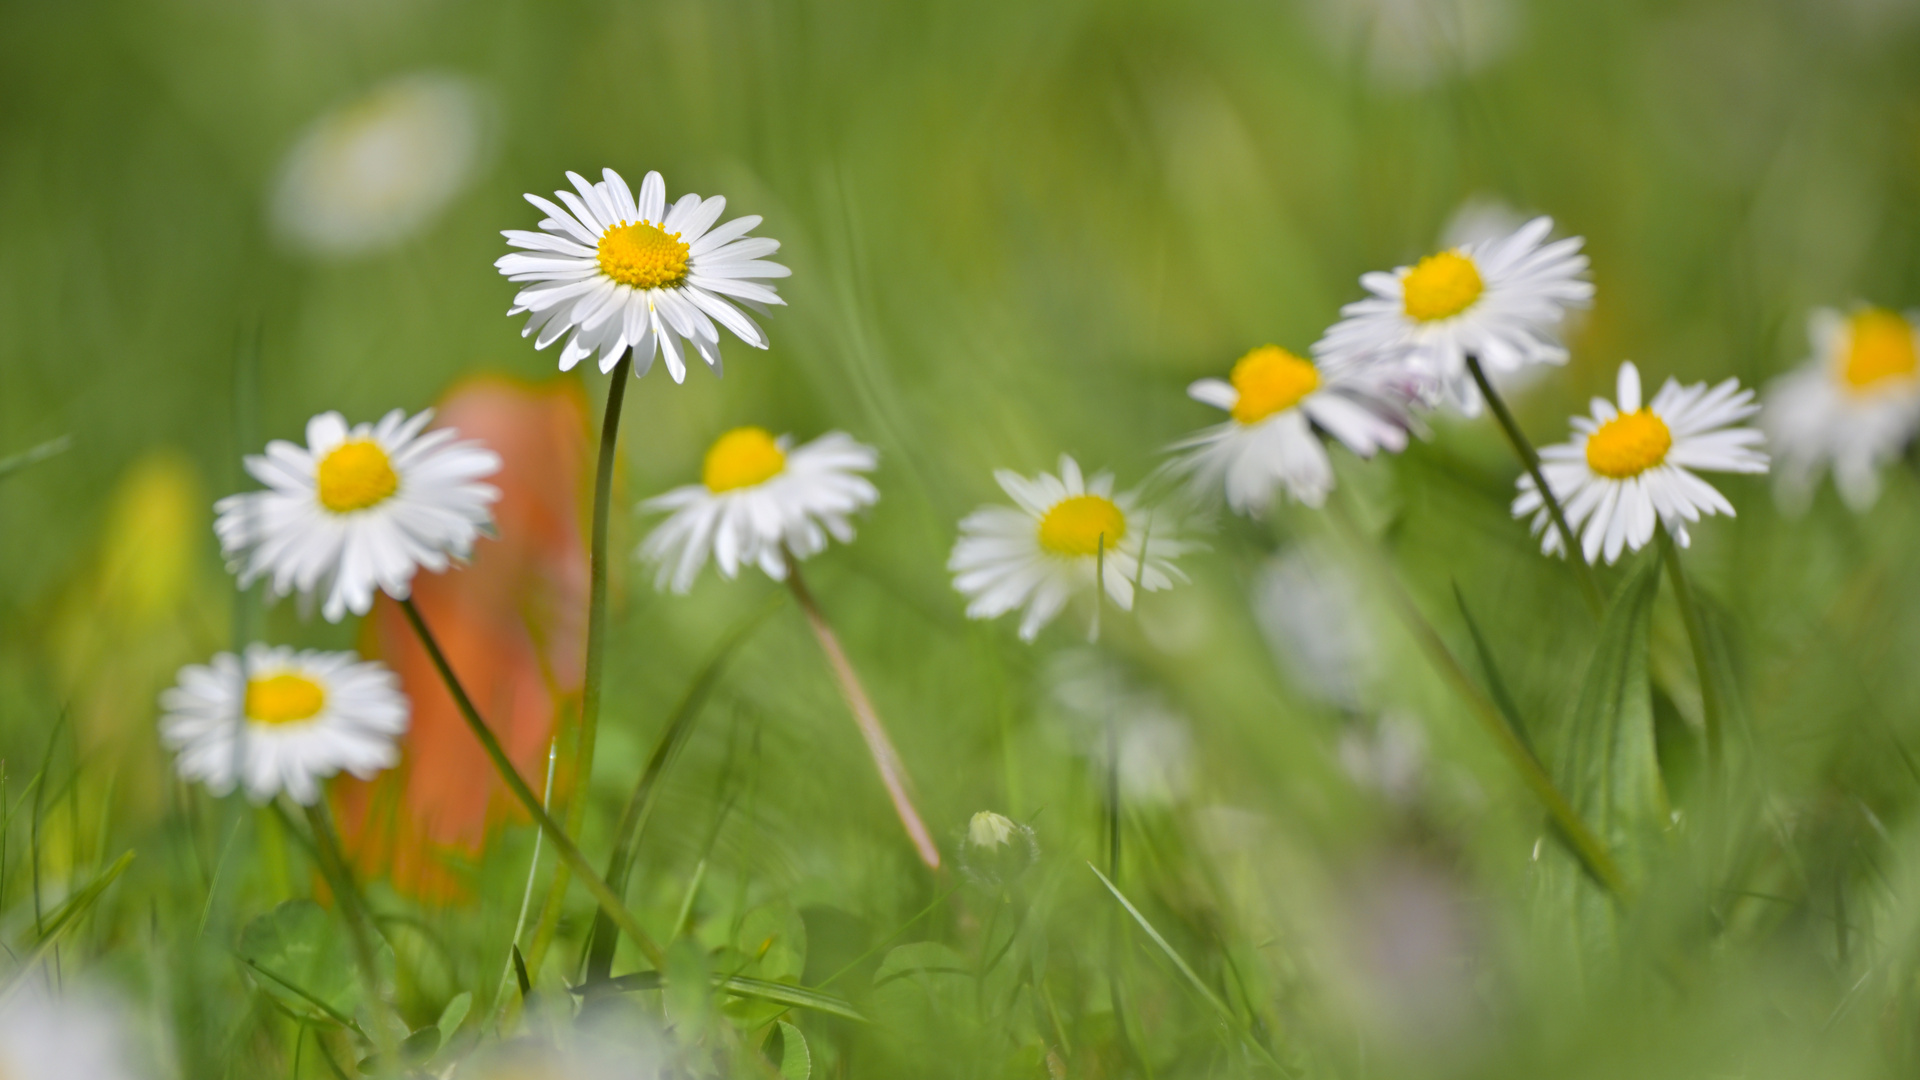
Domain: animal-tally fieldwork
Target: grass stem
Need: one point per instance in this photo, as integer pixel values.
(1581, 840)
(1710, 712)
(1530, 459)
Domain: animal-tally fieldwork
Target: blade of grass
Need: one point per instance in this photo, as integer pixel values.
(798, 997)
(646, 790)
(34, 455)
(65, 917)
(1213, 1000)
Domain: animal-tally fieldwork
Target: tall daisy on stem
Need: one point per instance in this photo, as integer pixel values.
(630, 278)
(1628, 474)
(1492, 303)
(761, 501)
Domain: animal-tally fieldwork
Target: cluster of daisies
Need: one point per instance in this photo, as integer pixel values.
(626, 276)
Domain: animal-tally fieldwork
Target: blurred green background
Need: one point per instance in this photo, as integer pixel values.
(1015, 230)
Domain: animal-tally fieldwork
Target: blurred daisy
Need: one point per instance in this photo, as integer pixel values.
(357, 509)
(71, 1037)
(1408, 44)
(1629, 466)
(371, 174)
(1276, 401)
(1039, 553)
(758, 498)
(1853, 405)
(1317, 623)
(1498, 300)
(299, 717)
(620, 273)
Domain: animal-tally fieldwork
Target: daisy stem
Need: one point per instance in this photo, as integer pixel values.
(893, 773)
(1710, 713)
(334, 867)
(1581, 840)
(569, 852)
(588, 737)
(1530, 459)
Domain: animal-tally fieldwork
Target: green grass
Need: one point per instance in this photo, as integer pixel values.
(1016, 229)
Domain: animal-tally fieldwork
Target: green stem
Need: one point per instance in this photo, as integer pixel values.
(1589, 588)
(332, 858)
(563, 844)
(1585, 845)
(1710, 712)
(589, 733)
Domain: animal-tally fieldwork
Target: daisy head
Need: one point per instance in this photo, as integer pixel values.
(1853, 405)
(760, 498)
(72, 1035)
(1499, 300)
(279, 720)
(1278, 404)
(617, 272)
(1049, 546)
(1631, 465)
(357, 509)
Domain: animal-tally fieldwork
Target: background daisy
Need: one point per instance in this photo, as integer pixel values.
(374, 172)
(619, 272)
(357, 509)
(1630, 466)
(1497, 300)
(1854, 405)
(1277, 401)
(72, 1036)
(300, 717)
(760, 497)
(1040, 552)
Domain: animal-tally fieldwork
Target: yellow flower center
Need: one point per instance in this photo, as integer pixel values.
(1879, 347)
(1269, 380)
(1074, 525)
(355, 475)
(741, 458)
(285, 698)
(1629, 444)
(643, 256)
(1441, 286)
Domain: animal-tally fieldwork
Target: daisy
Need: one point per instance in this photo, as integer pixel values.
(1854, 404)
(1496, 300)
(1629, 466)
(620, 273)
(1276, 401)
(299, 717)
(758, 498)
(43, 1037)
(357, 509)
(1042, 551)
(380, 169)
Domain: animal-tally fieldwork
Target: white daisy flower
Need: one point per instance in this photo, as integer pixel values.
(358, 509)
(620, 273)
(70, 1037)
(1411, 44)
(1853, 405)
(1497, 300)
(759, 497)
(299, 717)
(373, 173)
(1629, 466)
(1277, 400)
(1042, 551)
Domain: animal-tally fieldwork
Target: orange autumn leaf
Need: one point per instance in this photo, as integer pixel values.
(513, 625)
